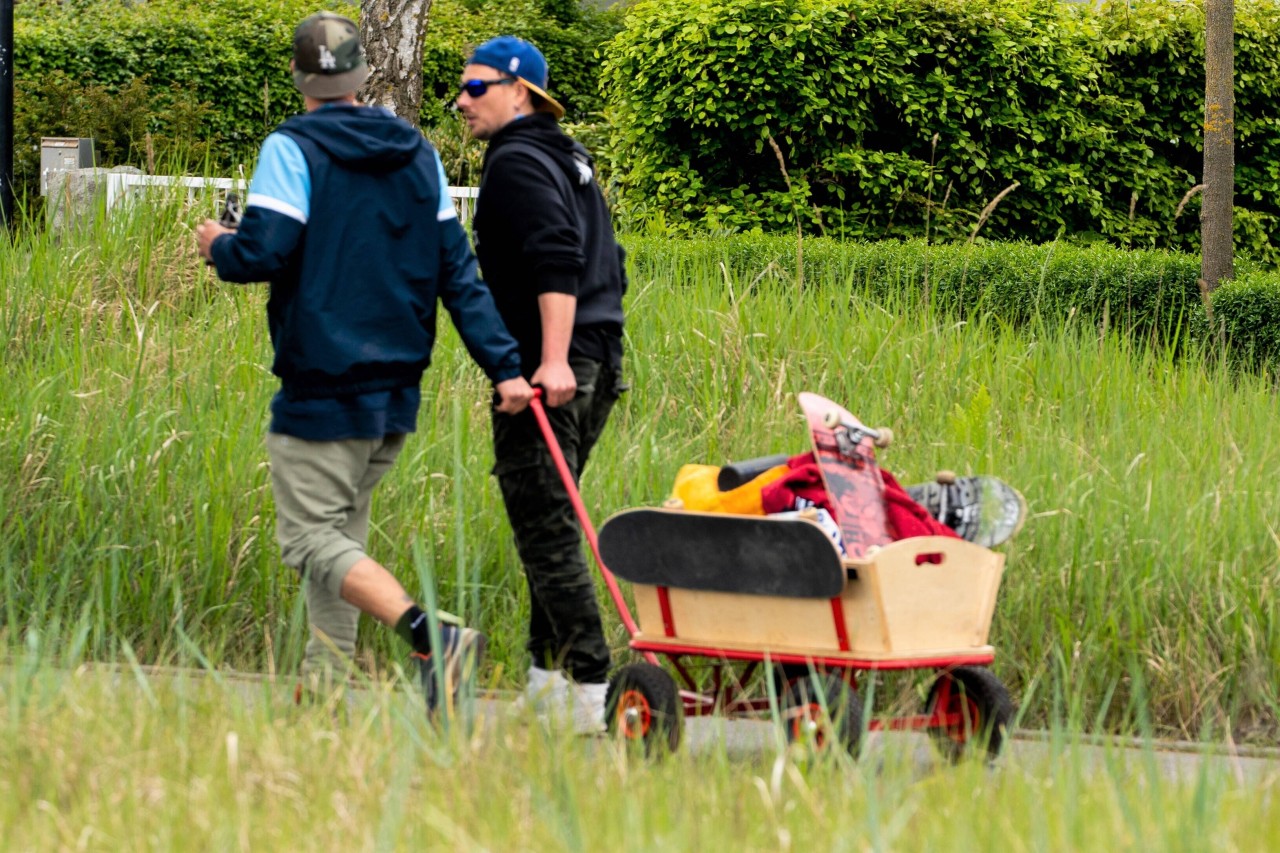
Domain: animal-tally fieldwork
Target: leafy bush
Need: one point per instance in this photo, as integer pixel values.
(568, 33)
(202, 84)
(209, 81)
(1016, 119)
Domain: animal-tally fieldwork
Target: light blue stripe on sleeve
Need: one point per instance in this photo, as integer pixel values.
(446, 209)
(282, 181)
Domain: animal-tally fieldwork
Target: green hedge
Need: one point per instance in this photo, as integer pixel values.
(159, 79)
(907, 118)
(1152, 294)
(567, 32)
(206, 82)
(1246, 314)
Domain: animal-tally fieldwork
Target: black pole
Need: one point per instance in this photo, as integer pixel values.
(6, 112)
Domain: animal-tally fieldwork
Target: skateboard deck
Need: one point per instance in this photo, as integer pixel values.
(847, 458)
(984, 510)
(718, 552)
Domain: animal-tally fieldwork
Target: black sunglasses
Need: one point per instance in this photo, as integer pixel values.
(477, 88)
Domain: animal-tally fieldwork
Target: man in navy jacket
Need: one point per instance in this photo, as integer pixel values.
(349, 220)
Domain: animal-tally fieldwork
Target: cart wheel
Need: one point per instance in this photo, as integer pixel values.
(821, 710)
(785, 674)
(643, 706)
(983, 704)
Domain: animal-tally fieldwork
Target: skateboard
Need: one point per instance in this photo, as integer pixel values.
(230, 217)
(718, 552)
(232, 212)
(845, 450)
(984, 510)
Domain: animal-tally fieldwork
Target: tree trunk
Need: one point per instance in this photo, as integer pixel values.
(392, 32)
(1219, 143)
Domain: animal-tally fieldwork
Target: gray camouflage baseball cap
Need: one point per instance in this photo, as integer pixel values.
(328, 61)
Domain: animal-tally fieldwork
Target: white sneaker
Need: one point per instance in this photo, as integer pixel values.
(588, 708)
(546, 695)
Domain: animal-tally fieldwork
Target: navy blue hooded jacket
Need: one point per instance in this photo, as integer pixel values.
(353, 297)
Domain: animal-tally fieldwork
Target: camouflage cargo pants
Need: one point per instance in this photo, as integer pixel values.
(564, 624)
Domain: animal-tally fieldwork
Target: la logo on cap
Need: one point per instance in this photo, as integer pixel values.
(327, 59)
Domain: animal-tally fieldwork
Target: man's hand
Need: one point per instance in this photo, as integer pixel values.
(206, 233)
(514, 395)
(557, 381)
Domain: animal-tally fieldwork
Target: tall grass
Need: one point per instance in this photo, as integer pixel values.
(137, 518)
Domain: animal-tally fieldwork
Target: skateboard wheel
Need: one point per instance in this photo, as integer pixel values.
(945, 477)
(885, 437)
(831, 419)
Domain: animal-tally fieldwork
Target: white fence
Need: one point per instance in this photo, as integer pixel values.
(120, 184)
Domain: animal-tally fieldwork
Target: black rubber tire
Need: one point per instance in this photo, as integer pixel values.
(783, 674)
(822, 710)
(643, 706)
(988, 711)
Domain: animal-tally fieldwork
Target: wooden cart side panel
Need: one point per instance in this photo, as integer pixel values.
(983, 632)
(763, 622)
(936, 592)
(865, 614)
(895, 607)
(648, 610)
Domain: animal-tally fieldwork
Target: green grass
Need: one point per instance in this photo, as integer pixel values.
(137, 518)
(96, 761)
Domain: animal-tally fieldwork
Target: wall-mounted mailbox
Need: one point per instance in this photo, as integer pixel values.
(61, 154)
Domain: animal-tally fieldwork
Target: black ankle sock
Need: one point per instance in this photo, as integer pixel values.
(413, 628)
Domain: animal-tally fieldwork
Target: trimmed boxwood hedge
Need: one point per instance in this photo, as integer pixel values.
(1153, 294)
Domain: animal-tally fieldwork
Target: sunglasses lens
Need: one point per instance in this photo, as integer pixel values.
(475, 88)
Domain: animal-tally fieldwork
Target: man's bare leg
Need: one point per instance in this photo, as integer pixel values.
(376, 591)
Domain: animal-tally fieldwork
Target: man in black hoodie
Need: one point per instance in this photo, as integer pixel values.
(547, 250)
(349, 219)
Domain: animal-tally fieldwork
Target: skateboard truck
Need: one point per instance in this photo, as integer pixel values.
(848, 436)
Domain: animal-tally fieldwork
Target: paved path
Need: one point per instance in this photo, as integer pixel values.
(749, 738)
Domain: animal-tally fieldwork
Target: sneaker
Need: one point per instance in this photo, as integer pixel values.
(588, 708)
(462, 649)
(546, 695)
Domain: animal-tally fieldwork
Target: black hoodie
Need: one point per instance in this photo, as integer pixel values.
(353, 291)
(537, 232)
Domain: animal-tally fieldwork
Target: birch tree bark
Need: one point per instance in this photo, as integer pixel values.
(392, 32)
(1216, 249)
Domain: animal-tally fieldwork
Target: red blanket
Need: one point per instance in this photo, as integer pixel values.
(802, 487)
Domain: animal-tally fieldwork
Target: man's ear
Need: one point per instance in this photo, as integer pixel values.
(292, 66)
(524, 100)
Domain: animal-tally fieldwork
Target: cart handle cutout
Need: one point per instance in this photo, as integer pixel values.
(933, 557)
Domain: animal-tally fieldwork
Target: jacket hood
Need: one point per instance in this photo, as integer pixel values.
(543, 131)
(364, 139)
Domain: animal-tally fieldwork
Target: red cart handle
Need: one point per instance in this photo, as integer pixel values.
(540, 414)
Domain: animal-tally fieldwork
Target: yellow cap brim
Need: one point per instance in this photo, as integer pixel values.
(549, 104)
